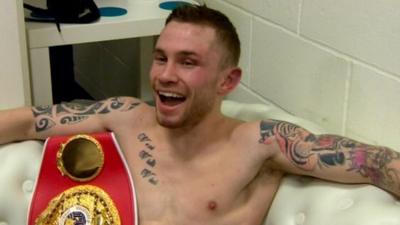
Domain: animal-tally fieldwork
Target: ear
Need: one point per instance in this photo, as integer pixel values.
(230, 80)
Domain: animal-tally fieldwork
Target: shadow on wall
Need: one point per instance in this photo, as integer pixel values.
(64, 86)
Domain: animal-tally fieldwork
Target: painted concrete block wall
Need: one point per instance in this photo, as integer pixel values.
(334, 62)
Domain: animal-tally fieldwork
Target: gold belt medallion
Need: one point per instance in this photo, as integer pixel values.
(81, 158)
(80, 205)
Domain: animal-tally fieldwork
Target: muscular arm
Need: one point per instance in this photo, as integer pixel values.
(331, 157)
(62, 119)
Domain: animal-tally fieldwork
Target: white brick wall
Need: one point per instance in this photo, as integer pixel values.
(335, 62)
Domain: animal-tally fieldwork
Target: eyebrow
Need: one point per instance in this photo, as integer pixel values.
(157, 50)
(180, 53)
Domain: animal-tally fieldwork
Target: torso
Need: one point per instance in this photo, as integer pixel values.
(229, 184)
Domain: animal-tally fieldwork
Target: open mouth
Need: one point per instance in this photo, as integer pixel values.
(171, 99)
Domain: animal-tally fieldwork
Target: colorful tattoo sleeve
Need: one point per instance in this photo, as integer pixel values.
(310, 152)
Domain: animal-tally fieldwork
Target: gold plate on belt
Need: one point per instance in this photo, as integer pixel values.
(81, 158)
(80, 205)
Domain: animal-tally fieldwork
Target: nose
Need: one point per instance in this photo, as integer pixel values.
(168, 73)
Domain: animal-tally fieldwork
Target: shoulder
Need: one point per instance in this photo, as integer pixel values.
(124, 110)
(268, 128)
(122, 104)
(249, 130)
(249, 136)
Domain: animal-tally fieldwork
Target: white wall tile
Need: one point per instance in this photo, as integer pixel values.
(301, 78)
(366, 29)
(242, 21)
(374, 108)
(283, 12)
(244, 94)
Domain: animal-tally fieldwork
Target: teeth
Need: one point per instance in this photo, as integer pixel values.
(170, 95)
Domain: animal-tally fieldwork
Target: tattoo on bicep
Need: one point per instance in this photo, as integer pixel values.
(74, 113)
(328, 149)
(42, 110)
(146, 155)
(132, 106)
(294, 142)
(304, 149)
(72, 119)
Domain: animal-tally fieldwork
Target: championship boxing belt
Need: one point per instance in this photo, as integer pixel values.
(83, 180)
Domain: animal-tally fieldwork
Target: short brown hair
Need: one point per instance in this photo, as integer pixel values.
(224, 29)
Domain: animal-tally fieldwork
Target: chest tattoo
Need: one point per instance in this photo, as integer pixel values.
(146, 155)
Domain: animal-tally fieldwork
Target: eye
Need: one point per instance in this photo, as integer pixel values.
(160, 59)
(188, 63)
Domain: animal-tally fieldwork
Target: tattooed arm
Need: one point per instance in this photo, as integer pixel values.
(62, 119)
(331, 157)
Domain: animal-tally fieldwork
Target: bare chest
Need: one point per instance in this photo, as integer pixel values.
(220, 188)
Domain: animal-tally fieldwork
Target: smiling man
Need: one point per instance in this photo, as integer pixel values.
(189, 61)
(190, 163)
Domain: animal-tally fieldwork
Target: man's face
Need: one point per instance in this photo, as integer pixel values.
(185, 74)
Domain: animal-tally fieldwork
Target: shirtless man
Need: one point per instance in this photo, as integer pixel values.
(191, 164)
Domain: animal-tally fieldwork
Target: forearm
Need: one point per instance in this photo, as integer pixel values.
(16, 124)
(346, 160)
(387, 165)
(379, 165)
(40, 122)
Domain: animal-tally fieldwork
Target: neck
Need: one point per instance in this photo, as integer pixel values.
(188, 142)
